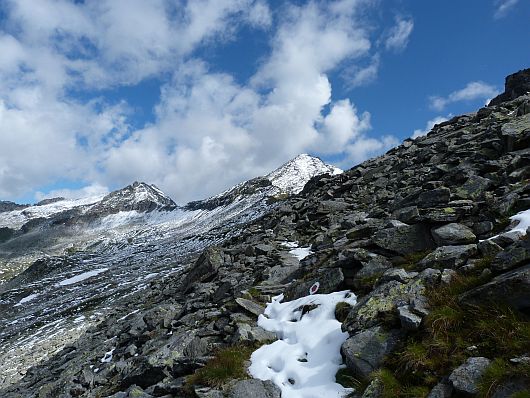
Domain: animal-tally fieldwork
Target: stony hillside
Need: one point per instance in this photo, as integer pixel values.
(431, 238)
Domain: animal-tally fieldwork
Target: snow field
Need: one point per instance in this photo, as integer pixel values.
(305, 358)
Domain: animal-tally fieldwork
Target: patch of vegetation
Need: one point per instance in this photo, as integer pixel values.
(228, 363)
(411, 260)
(342, 310)
(453, 332)
(501, 371)
(366, 285)
(392, 388)
(347, 379)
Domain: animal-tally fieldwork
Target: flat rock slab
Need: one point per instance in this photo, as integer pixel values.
(511, 288)
(448, 256)
(256, 389)
(250, 306)
(404, 239)
(453, 234)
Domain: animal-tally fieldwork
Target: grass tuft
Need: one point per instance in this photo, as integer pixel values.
(453, 332)
(228, 363)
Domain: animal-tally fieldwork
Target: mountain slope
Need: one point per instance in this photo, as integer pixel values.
(422, 236)
(99, 251)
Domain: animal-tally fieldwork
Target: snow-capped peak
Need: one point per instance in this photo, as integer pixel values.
(292, 176)
(137, 196)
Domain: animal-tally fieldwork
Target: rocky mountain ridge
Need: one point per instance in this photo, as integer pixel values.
(430, 237)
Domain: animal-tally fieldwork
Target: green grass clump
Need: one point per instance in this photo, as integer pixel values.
(228, 363)
(411, 260)
(501, 371)
(347, 379)
(453, 332)
(392, 388)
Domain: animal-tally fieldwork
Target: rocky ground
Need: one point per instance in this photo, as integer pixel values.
(419, 235)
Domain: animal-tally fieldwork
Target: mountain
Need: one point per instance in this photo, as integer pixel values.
(407, 275)
(288, 179)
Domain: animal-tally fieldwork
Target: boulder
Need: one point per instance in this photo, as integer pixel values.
(448, 256)
(488, 248)
(405, 239)
(250, 306)
(453, 234)
(255, 388)
(516, 85)
(511, 288)
(444, 389)
(382, 303)
(434, 197)
(364, 352)
(328, 279)
(514, 255)
(465, 378)
(204, 268)
(408, 319)
(473, 188)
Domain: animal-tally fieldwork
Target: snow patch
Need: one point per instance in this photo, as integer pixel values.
(523, 219)
(304, 361)
(82, 277)
(523, 223)
(26, 299)
(108, 356)
(299, 252)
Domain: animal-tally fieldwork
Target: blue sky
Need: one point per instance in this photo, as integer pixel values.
(196, 96)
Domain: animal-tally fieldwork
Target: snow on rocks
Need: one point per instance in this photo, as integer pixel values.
(299, 252)
(26, 299)
(108, 356)
(519, 230)
(304, 361)
(523, 219)
(82, 277)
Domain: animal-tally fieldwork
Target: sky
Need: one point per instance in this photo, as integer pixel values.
(196, 96)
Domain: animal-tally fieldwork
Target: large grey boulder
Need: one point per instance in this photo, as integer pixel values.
(448, 256)
(328, 279)
(255, 388)
(383, 302)
(473, 188)
(365, 351)
(465, 378)
(404, 239)
(204, 268)
(511, 288)
(453, 234)
(513, 255)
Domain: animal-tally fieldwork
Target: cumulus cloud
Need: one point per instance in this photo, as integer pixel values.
(472, 91)
(362, 75)
(84, 192)
(209, 131)
(428, 127)
(503, 7)
(399, 35)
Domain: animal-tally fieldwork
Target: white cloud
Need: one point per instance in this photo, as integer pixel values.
(360, 76)
(85, 192)
(503, 7)
(399, 35)
(472, 91)
(428, 127)
(209, 131)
